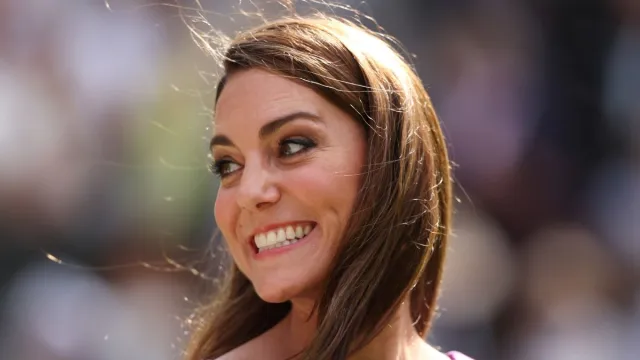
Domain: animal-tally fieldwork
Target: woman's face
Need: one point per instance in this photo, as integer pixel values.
(290, 164)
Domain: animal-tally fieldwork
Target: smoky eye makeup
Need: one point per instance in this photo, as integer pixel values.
(298, 138)
(223, 167)
(294, 145)
(288, 143)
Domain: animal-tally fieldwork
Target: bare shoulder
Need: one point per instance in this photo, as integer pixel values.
(239, 353)
(260, 347)
(246, 351)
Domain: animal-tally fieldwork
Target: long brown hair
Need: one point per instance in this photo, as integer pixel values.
(395, 242)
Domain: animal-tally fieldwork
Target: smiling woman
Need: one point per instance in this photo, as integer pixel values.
(334, 199)
(289, 180)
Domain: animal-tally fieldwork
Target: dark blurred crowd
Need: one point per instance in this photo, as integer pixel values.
(106, 202)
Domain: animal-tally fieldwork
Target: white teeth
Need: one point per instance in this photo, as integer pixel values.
(281, 237)
(291, 234)
(272, 238)
(262, 240)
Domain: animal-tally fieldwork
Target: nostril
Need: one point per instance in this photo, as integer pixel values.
(262, 205)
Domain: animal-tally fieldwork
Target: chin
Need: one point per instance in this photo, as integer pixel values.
(280, 292)
(273, 294)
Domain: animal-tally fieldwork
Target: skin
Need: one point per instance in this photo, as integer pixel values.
(295, 171)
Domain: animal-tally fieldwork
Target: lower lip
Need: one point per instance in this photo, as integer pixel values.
(283, 249)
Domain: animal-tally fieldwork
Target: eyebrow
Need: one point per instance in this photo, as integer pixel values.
(267, 129)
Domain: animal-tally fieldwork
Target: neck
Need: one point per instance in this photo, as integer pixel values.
(398, 340)
(300, 325)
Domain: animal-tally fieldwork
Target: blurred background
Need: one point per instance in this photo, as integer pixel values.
(107, 205)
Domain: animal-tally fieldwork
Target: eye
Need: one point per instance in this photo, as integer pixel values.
(294, 146)
(224, 167)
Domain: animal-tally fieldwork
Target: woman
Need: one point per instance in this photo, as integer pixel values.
(334, 202)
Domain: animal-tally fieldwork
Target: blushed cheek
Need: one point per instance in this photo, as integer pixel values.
(224, 212)
(329, 188)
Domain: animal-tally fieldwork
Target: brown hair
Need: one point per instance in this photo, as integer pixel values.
(398, 231)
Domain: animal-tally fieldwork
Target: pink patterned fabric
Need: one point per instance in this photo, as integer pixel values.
(454, 355)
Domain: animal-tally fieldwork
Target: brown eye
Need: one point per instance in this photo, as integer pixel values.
(295, 146)
(224, 167)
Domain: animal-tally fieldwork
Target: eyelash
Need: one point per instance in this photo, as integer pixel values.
(217, 166)
(306, 144)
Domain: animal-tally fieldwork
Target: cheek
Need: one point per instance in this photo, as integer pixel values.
(329, 185)
(225, 213)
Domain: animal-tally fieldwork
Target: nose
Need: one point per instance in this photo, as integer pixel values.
(257, 189)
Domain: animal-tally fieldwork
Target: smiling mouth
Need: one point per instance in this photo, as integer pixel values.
(282, 236)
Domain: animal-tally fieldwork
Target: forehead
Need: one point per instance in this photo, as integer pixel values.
(254, 97)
